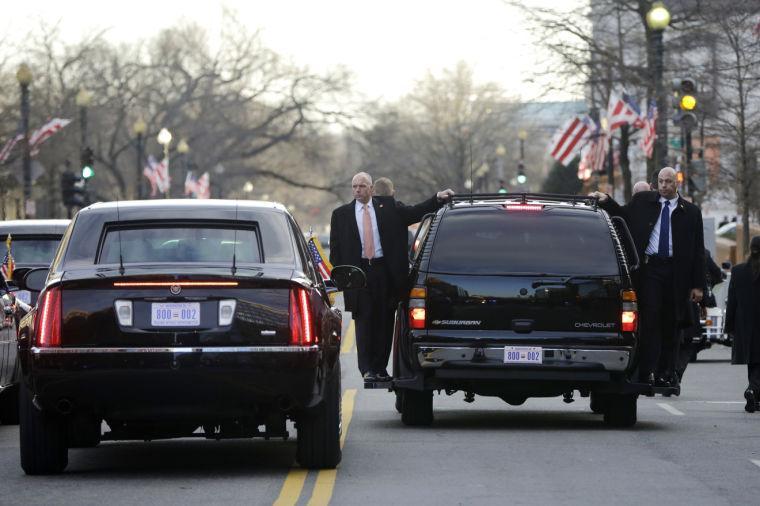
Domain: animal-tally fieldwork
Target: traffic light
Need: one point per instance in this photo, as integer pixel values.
(502, 189)
(685, 102)
(521, 177)
(73, 192)
(88, 163)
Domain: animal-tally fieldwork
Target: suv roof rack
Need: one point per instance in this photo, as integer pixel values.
(525, 196)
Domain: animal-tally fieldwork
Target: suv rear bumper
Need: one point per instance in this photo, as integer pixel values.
(436, 357)
(160, 383)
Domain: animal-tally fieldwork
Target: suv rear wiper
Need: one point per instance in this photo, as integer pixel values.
(567, 279)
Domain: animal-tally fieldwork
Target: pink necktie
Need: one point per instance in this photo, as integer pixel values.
(369, 240)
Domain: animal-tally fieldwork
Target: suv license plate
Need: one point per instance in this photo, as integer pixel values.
(523, 355)
(175, 314)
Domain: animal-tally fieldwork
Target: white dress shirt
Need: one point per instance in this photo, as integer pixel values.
(654, 239)
(359, 212)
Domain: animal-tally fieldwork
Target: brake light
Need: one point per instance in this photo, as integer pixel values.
(629, 318)
(417, 313)
(629, 321)
(524, 207)
(301, 320)
(48, 325)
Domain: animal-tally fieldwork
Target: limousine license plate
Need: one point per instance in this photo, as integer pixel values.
(523, 355)
(175, 314)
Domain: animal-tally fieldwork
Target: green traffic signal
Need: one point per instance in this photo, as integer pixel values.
(522, 178)
(87, 172)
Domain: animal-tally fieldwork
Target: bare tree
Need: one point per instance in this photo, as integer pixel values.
(433, 138)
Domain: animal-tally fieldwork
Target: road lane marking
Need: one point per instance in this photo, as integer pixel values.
(349, 339)
(756, 462)
(670, 409)
(325, 484)
(291, 489)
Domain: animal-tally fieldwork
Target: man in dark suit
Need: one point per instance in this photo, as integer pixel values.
(370, 233)
(667, 232)
(743, 321)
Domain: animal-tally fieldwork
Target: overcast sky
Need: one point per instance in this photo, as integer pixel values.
(387, 44)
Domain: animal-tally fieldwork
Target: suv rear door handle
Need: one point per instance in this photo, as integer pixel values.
(522, 326)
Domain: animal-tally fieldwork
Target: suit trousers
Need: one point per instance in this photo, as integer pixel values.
(374, 321)
(658, 334)
(753, 375)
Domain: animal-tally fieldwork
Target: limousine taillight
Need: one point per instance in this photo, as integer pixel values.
(301, 319)
(48, 324)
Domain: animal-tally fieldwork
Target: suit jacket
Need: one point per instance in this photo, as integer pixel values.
(641, 214)
(393, 218)
(743, 315)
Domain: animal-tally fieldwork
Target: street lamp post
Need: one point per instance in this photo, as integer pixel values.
(522, 135)
(658, 18)
(24, 78)
(139, 129)
(165, 138)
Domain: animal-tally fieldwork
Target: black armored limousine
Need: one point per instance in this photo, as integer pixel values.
(180, 318)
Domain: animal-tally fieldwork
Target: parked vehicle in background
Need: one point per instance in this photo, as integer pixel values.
(186, 318)
(33, 245)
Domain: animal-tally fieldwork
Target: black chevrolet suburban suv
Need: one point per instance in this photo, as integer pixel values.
(517, 296)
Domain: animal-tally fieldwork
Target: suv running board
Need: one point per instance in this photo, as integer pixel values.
(637, 388)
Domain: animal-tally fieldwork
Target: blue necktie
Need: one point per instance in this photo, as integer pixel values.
(663, 250)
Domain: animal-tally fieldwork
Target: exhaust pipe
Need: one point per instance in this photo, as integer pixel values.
(65, 406)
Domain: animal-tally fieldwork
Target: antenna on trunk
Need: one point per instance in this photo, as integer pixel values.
(234, 241)
(118, 231)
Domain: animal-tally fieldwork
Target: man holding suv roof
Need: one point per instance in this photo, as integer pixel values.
(667, 232)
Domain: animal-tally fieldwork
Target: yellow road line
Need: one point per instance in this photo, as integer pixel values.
(291, 489)
(348, 339)
(323, 488)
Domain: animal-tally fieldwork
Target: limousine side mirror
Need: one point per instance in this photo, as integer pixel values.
(347, 277)
(34, 279)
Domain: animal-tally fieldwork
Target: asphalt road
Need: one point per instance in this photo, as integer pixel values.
(699, 448)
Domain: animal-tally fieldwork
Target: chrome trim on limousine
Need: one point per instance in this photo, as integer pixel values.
(179, 349)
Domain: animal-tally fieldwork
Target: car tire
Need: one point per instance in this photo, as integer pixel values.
(621, 411)
(417, 407)
(9, 406)
(42, 439)
(319, 429)
(399, 400)
(597, 403)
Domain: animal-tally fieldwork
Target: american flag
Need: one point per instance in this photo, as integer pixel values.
(320, 260)
(158, 175)
(623, 110)
(8, 263)
(8, 147)
(44, 132)
(593, 154)
(200, 187)
(650, 132)
(569, 139)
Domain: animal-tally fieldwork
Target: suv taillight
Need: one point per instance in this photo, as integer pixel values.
(629, 318)
(417, 314)
(48, 324)
(301, 320)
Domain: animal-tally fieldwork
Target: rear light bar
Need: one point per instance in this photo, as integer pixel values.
(524, 207)
(173, 283)
(48, 324)
(301, 319)
(629, 318)
(417, 311)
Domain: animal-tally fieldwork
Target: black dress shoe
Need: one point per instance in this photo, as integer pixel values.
(382, 376)
(370, 376)
(663, 381)
(751, 405)
(649, 379)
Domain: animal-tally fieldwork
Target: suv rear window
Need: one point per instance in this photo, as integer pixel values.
(173, 243)
(490, 240)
